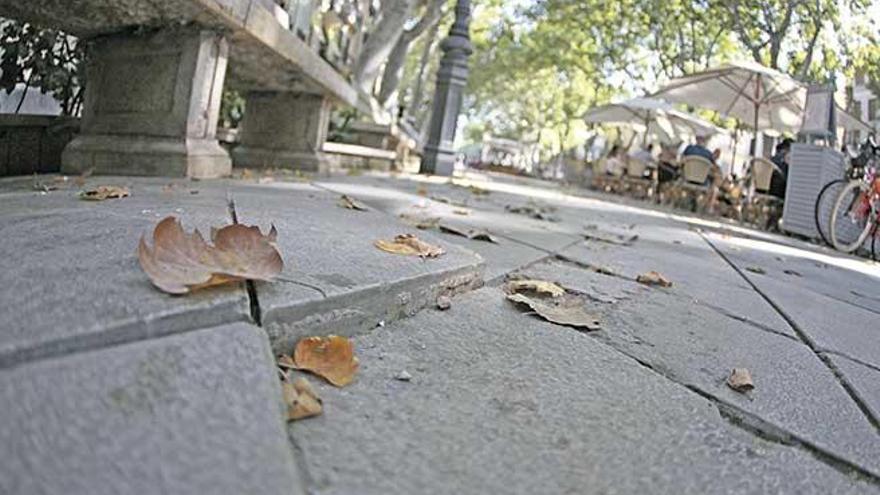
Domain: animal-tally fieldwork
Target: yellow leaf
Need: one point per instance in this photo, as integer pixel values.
(409, 245)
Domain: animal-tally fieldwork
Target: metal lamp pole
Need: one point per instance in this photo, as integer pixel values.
(439, 154)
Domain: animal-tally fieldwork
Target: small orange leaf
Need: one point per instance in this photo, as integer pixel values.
(179, 262)
(331, 358)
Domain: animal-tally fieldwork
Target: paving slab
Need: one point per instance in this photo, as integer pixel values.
(501, 402)
(335, 280)
(846, 278)
(484, 212)
(397, 197)
(687, 260)
(831, 323)
(198, 412)
(71, 276)
(697, 346)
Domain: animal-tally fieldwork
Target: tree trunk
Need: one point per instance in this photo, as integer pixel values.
(394, 65)
(380, 42)
(416, 100)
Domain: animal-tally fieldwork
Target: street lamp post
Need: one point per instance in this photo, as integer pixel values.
(439, 155)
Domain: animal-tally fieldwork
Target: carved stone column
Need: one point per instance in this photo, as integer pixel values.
(151, 106)
(439, 157)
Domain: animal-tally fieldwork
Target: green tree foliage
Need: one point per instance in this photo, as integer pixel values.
(44, 58)
(540, 64)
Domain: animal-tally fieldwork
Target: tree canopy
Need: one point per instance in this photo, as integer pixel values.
(540, 64)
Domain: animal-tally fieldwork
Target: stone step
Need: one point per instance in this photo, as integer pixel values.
(335, 280)
(77, 284)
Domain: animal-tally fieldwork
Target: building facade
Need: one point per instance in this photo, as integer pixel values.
(865, 105)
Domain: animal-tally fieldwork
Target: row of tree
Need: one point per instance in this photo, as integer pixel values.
(544, 63)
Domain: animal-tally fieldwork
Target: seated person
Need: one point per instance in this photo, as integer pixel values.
(699, 149)
(780, 177)
(615, 162)
(715, 176)
(667, 163)
(646, 156)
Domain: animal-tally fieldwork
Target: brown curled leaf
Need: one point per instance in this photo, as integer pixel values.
(179, 262)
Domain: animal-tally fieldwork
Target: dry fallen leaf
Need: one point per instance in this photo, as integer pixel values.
(538, 212)
(568, 310)
(410, 245)
(179, 262)
(653, 278)
(286, 362)
(420, 222)
(331, 358)
(422, 190)
(756, 269)
(347, 202)
(301, 399)
(472, 234)
(539, 286)
(740, 380)
(443, 303)
(101, 193)
(459, 211)
(616, 239)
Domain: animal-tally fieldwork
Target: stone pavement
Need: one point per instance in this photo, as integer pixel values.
(110, 386)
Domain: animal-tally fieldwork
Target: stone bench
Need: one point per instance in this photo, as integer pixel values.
(156, 73)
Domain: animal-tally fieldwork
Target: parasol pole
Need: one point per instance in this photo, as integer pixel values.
(757, 111)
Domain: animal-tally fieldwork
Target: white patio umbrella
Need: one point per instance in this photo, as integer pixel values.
(652, 116)
(757, 96)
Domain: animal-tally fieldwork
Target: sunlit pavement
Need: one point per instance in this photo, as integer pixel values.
(100, 367)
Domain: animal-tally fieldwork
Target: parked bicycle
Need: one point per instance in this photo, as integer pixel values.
(852, 205)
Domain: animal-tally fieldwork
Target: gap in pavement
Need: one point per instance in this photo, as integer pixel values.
(854, 396)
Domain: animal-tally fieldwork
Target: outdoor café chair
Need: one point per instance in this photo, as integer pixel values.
(762, 209)
(693, 192)
(637, 182)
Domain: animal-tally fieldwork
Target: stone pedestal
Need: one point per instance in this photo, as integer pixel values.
(284, 130)
(151, 106)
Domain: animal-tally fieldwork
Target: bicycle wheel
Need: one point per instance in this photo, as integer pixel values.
(849, 228)
(824, 204)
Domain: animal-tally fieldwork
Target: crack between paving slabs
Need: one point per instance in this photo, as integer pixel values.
(739, 417)
(758, 426)
(847, 356)
(299, 455)
(802, 335)
(723, 312)
(253, 298)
